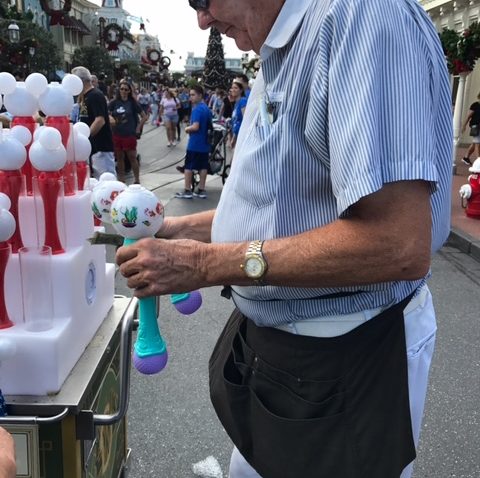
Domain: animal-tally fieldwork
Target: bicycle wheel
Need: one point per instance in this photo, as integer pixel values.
(195, 180)
(225, 172)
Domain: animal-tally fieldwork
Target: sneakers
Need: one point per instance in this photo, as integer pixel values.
(180, 169)
(466, 161)
(184, 194)
(200, 193)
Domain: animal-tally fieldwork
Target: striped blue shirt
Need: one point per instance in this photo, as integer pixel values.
(360, 97)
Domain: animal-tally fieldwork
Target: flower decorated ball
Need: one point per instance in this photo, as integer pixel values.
(7, 221)
(21, 102)
(103, 195)
(56, 100)
(137, 213)
(12, 152)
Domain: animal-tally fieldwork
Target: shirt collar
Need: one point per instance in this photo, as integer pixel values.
(286, 24)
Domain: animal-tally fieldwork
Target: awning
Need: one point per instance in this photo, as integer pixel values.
(77, 25)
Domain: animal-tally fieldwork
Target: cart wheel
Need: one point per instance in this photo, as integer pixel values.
(225, 173)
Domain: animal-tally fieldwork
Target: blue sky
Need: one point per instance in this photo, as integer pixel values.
(175, 24)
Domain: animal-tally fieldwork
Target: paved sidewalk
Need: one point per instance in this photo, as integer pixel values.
(465, 231)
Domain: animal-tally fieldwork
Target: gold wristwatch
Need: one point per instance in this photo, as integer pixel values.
(255, 265)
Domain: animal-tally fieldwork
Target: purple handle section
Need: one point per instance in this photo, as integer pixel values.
(150, 365)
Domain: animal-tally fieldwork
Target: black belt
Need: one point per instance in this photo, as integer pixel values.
(308, 407)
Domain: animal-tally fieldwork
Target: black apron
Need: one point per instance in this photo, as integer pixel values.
(307, 407)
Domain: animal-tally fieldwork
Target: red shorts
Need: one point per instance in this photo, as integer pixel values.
(125, 143)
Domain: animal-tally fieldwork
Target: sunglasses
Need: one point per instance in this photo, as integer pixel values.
(199, 4)
(124, 89)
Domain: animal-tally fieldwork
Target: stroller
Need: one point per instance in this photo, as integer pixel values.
(217, 161)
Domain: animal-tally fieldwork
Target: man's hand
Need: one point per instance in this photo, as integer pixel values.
(8, 468)
(159, 267)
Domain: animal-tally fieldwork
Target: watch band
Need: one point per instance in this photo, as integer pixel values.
(254, 252)
(255, 247)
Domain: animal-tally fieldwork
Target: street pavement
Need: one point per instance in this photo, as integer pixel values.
(171, 422)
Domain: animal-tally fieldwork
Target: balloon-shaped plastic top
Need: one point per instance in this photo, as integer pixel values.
(82, 147)
(73, 84)
(56, 101)
(81, 128)
(50, 138)
(8, 83)
(12, 152)
(47, 159)
(36, 83)
(137, 212)
(20, 102)
(5, 202)
(107, 176)
(7, 225)
(22, 134)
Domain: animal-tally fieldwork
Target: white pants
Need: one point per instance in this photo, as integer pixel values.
(102, 162)
(420, 329)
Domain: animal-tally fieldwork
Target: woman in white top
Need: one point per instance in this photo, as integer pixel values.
(169, 112)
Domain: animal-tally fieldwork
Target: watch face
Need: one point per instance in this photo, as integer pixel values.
(254, 267)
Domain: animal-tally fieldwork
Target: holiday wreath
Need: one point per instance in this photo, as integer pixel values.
(113, 36)
(461, 49)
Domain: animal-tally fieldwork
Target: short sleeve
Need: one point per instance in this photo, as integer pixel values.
(195, 117)
(380, 96)
(96, 105)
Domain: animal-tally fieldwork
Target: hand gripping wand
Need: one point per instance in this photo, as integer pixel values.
(137, 213)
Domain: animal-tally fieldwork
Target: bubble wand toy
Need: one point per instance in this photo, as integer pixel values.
(57, 103)
(103, 195)
(13, 156)
(21, 101)
(81, 152)
(48, 156)
(7, 228)
(137, 213)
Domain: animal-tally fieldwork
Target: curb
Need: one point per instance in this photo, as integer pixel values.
(464, 242)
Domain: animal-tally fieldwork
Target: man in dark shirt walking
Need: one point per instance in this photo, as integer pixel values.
(94, 112)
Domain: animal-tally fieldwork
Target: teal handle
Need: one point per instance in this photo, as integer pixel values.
(149, 340)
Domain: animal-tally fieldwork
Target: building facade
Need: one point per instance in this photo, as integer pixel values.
(194, 64)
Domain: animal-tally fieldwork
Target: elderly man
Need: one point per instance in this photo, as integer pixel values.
(338, 194)
(94, 112)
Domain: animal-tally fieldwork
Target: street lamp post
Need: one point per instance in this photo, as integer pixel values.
(13, 33)
(31, 53)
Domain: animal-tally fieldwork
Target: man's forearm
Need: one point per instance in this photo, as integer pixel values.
(370, 246)
(194, 226)
(96, 126)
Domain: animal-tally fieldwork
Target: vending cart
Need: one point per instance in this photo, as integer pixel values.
(80, 432)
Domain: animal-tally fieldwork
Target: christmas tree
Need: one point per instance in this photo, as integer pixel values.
(214, 71)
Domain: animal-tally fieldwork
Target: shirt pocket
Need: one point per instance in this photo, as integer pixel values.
(259, 159)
